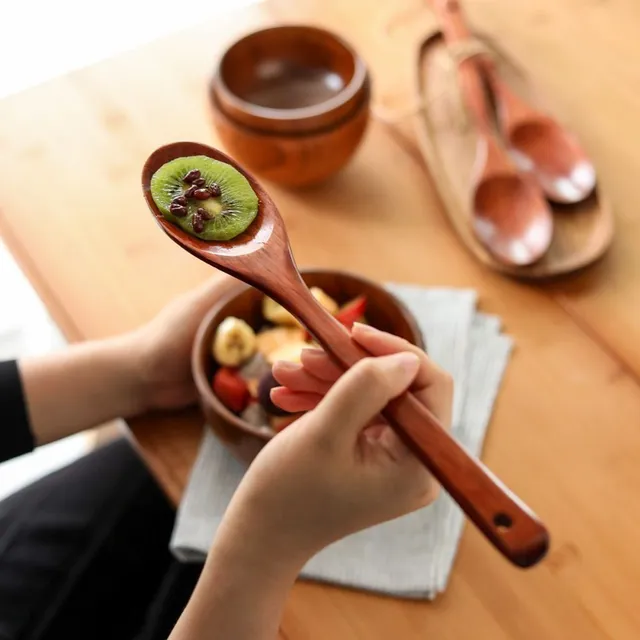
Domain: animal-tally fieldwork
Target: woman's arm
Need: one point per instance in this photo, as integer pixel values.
(81, 387)
(242, 589)
(93, 382)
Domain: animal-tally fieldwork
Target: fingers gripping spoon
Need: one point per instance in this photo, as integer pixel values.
(261, 257)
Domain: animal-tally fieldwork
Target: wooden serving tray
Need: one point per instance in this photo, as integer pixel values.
(447, 140)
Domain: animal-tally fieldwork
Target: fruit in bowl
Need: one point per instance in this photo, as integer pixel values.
(240, 338)
(244, 356)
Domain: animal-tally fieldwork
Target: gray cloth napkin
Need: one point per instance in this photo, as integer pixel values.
(412, 556)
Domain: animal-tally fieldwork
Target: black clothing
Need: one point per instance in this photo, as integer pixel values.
(84, 551)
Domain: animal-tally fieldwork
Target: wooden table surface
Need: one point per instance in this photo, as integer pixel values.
(566, 431)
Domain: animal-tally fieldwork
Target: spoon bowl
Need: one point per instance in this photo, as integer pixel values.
(540, 146)
(261, 257)
(509, 214)
(247, 242)
(511, 218)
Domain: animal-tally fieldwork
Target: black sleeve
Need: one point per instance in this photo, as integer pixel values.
(15, 431)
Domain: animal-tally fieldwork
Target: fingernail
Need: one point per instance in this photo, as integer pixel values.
(364, 328)
(309, 351)
(287, 365)
(271, 393)
(406, 362)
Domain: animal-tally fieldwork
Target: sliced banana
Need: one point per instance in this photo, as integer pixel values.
(234, 342)
(276, 313)
(290, 352)
(325, 300)
(270, 340)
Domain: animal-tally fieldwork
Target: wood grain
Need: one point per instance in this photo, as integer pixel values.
(293, 159)
(595, 88)
(564, 434)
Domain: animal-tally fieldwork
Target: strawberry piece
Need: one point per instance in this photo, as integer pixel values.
(352, 311)
(231, 389)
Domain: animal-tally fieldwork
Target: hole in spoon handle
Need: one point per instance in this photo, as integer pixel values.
(503, 519)
(500, 515)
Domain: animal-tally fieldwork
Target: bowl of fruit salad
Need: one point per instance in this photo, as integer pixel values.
(246, 332)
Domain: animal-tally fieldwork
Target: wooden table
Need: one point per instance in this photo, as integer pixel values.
(566, 431)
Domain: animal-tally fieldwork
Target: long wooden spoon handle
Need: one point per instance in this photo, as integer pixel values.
(456, 31)
(505, 521)
(453, 21)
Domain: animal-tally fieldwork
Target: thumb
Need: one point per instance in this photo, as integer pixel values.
(364, 390)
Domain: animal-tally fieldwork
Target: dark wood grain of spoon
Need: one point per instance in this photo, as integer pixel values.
(261, 257)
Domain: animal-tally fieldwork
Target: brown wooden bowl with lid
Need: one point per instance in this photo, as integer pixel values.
(291, 103)
(384, 311)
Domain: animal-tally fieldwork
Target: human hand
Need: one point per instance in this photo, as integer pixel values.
(340, 468)
(162, 347)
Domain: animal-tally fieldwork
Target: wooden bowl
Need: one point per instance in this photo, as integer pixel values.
(291, 103)
(384, 311)
(292, 160)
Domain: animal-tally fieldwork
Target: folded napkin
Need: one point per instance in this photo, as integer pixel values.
(412, 556)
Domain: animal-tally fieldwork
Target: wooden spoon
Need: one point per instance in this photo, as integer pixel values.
(510, 214)
(261, 257)
(537, 143)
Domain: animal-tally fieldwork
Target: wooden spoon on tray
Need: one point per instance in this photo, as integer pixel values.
(510, 215)
(261, 257)
(537, 143)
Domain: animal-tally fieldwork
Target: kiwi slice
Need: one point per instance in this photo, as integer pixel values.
(207, 198)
